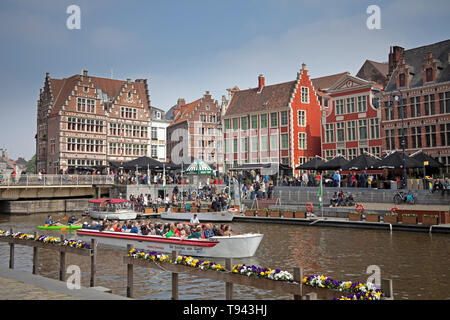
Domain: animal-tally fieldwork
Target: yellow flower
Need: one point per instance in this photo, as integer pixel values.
(304, 280)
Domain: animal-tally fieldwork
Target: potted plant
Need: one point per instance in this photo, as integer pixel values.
(261, 212)
(288, 213)
(299, 214)
(409, 218)
(430, 219)
(148, 210)
(161, 209)
(372, 217)
(391, 218)
(354, 216)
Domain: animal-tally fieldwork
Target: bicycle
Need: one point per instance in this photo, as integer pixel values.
(401, 196)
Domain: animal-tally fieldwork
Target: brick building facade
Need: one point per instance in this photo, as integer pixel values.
(85, 121)
(420, 77)
(195, 131)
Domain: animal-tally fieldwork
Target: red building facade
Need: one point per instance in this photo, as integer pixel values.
(273, 124)
(351, 125)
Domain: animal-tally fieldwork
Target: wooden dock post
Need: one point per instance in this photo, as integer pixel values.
(298, 276)
(174, 278)
(62, 263)
(228, 285)
(11, 252)
(310, 296)
(35, 257)
(387, 288)
(93, 261)
(130, 290)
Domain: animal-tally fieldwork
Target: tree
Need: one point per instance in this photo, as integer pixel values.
(31, 165)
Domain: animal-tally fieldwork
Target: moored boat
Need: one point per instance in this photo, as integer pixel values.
(111, 209)
(219, 216)
(234, 246)
(68, 227)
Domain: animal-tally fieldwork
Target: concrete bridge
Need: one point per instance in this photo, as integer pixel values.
(29, 193)
(33, 186)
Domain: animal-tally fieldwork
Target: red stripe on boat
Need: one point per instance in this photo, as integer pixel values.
(148, 239)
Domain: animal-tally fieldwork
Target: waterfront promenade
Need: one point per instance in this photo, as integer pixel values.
(20, 285)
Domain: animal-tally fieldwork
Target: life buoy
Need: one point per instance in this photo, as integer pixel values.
(394, 210)
(360, 208)
(309, 207)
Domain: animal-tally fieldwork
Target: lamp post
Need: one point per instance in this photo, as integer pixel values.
(398, 99)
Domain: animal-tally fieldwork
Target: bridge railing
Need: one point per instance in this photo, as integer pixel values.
(54, 179)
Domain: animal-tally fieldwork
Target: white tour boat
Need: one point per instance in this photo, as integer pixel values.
(219, 216)
(111, 209)
(234, 246)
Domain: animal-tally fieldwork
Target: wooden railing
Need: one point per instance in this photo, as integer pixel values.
(63, 250)
(295, 288)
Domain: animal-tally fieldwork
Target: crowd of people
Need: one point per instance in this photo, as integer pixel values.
(178, 229)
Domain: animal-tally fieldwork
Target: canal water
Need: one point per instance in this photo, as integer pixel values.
(418, 263)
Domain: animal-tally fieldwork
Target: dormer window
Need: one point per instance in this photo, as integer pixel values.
(86, 89)
(402, 80)
(429, 75)
(129, 94)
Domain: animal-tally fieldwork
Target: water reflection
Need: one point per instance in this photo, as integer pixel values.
(417, 262)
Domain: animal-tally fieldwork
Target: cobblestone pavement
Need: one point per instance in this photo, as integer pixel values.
(16, 290)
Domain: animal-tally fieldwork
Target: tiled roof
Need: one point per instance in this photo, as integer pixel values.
(415, 57)
(270, 97)
(185, 112)
(323, 83)
(382, 67)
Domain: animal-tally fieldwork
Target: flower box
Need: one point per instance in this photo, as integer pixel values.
(392, 219)
(261, 213)
(429, 220)
(409, 219)
(274, 213)
(203, 209)
(249, 213)
(161, 209)
(372, 217)
(288, 214)
(354, 217)
(148, 210)
(299, 214)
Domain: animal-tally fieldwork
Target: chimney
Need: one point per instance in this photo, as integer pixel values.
(181, 102)
(394, 57)
(261, 82)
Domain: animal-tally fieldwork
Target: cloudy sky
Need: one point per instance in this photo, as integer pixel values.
(187, 47)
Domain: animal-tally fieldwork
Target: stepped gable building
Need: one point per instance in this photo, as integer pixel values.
(351, 123)
(276, 123)
(195, 131)
(421, 78)
(85, 121)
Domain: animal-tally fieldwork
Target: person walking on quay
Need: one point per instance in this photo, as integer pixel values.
(446, 187)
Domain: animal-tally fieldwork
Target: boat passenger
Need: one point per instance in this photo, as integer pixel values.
(197, 234)
(217, 231)
(71, 220)
(134, 228)
(171, 232)
(187, 207)
(228, 231)
(208, 232)
(178, 230)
